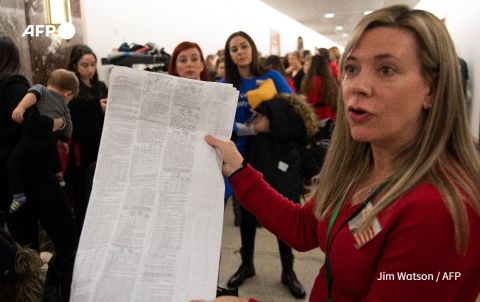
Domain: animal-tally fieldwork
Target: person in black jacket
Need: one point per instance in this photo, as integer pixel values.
(47, 200)
(282, 125)
(87, 111)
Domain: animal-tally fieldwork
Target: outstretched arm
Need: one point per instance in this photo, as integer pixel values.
(295, 225)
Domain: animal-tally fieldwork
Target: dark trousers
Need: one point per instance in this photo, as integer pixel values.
(47, 204)
(78, 179)
(248, 230)
(26, 149)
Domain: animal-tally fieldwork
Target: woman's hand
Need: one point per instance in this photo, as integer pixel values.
(261, 124)
(224, 299)
(232, 159)
(103, 104)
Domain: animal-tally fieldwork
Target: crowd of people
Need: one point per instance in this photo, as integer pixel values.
(398, 191)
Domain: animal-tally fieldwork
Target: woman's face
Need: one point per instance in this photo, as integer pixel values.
(384, 93)
(189, 64)
(221, 69)
(293, 61)
(332, 58)
(86, 67)
(306, 65)
(240, 51)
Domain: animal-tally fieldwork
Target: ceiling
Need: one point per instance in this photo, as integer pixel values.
(311, 13)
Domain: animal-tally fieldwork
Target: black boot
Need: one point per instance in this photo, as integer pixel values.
(289, 278)
(66, 274)
(246, 269)
(237, 212)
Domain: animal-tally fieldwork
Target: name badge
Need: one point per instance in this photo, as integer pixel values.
(361, 238)
(282, 166)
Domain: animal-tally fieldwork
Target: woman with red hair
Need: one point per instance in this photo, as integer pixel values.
(187, 62)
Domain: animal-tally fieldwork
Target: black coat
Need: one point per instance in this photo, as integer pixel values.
(277, 155)
(12, 91)
(87, 120)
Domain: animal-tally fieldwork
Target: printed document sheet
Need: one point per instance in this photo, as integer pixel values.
(154, 220)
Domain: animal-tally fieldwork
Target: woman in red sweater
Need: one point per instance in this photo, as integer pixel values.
(320, 88)
(397, 209)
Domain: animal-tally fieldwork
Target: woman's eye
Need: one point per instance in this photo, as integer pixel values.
(234, 49)
(183, 60)
(194, 59)
(84, 65)
(387, 70)
(349, 69)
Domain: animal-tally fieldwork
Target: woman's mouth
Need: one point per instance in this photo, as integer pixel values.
(358, 114)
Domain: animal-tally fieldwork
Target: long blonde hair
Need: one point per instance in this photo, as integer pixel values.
(443, 153)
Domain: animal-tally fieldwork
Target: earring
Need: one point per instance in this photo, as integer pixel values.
(428, 106)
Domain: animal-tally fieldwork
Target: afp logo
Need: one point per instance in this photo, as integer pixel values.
(66, 30)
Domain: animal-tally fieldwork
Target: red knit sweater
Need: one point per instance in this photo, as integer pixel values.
(314, 97)
(417, 237)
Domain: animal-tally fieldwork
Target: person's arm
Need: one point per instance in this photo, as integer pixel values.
(58, 123)
(244, 130)
(293, 224)
(28, 101)
(34, 124)
(68, 129)
(103, 105)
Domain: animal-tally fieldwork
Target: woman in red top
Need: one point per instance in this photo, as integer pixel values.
(321, 88)
(397, 208)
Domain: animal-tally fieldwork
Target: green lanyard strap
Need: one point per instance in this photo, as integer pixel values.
(328, 272)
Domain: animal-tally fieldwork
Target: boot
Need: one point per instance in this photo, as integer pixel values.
(237, 212)
(246, 269)
(289, 278)
(65, 275)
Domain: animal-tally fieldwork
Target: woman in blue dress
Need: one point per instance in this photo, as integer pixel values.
(244, 70)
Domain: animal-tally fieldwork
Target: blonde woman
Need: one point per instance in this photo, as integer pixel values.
(335, 54)
(397, 209)
(295, 69)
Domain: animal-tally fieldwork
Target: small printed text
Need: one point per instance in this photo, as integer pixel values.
(401, 276)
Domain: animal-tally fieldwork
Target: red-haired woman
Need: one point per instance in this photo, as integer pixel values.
(187, 62)
(321, 88)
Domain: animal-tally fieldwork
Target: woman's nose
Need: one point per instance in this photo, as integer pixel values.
(362, 84)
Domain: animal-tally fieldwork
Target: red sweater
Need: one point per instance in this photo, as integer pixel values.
(314, 97)
(417, 237)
